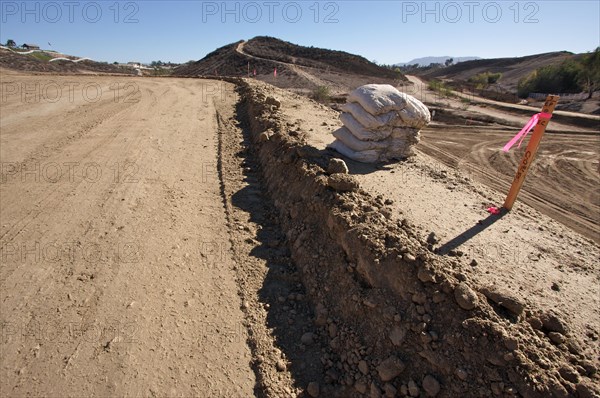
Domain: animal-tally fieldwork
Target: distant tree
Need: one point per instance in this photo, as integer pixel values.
(554, 78)
(115, 63)
(589, 76)
(449, 61)
(11, 43)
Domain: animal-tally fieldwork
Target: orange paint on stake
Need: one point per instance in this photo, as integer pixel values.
(531, 151)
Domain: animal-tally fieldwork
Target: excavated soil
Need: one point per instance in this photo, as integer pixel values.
(259, 271)
(396, 316)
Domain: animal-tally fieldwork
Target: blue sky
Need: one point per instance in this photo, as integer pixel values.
(386, 31)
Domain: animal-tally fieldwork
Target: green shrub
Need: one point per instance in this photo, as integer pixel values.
(482, 80)
(440, 87)
(562, 78)
(321, 94)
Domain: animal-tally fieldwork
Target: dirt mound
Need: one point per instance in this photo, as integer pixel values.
(225, 61)
(339, 61)
(394, 318)
(299, 68)
(39, 62)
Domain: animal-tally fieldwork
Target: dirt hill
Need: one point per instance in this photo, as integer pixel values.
(40, 62)
(298, 67)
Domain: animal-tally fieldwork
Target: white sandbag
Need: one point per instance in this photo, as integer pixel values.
(400, 147)
(404, 133)
(378, 99)
(371, 122)
(415, 116)
(404, 153)
(348, 139)
(361, 132)
(370, 156)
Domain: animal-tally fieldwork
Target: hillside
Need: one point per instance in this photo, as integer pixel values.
(39, 62)
(275, 49)
(512, 69)
(426, 61)
(298, 67)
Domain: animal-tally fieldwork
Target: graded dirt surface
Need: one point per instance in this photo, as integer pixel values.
(182, 237)
(117, 278)
(564, 179)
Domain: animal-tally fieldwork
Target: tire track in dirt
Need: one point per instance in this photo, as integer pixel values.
(152, 318)
(559, 160)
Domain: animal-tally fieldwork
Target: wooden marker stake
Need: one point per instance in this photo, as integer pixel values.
(532, 147)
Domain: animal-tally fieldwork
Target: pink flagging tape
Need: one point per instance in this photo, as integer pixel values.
(525, 130)
(493, 210)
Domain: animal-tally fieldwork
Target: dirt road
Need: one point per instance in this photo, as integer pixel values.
(116, 276)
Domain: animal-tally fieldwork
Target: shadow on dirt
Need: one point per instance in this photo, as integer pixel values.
(470, 233)
(289, 314)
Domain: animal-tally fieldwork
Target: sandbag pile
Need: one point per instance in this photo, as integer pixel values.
(380, 124)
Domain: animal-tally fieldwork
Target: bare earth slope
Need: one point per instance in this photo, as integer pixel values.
(298, 67)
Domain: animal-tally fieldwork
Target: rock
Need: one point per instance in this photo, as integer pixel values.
(321, 315)
(553, 323)
(397, 335)
(425, 275)
(461, 374)
(535, 323)
(363, 367)
(569, 374)
(403, 390)
(337, 166)
(432, 238)
(511, 343)
(584, 391)
(419, 298)
(281, 366)
(556, 338)
(389, 390)
(438, 297)
(263, 137)
(496, 389)
(342, 182)
(573, 346)
(333, 330)
(390, 368)
(313, 389)
(431, 386)
(409, 257)
(465, 297)
(272, 101)
(374, 391)
(504, 299)
(589, 368)
(413, 389)
(360, 386)
(308, 338)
